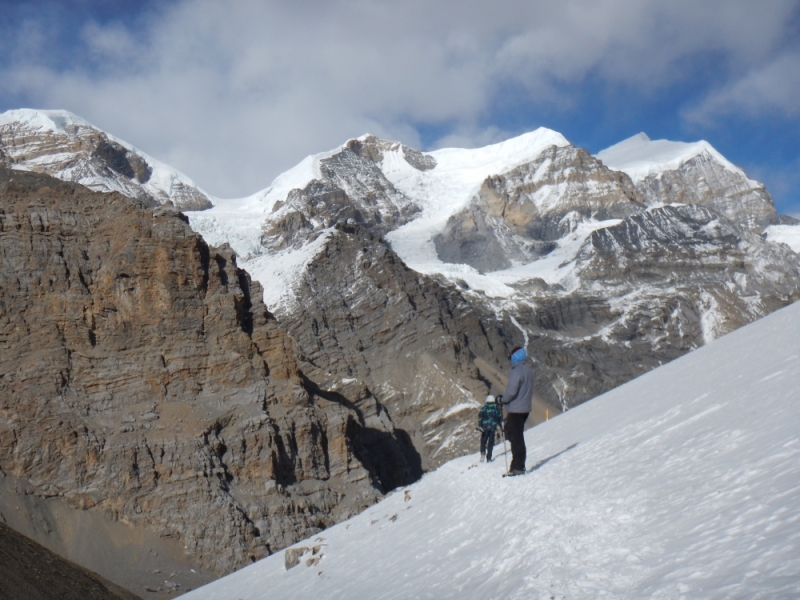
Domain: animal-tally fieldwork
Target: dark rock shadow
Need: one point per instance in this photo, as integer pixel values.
(543, 462)
(390, 457)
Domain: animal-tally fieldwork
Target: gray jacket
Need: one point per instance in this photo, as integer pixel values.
(518, 397)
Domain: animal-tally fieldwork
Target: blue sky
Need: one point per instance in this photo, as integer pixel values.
(233, 93)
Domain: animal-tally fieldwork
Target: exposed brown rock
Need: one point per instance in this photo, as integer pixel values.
(141, 377)
(702, 180)
(412, 341)
(519, 215)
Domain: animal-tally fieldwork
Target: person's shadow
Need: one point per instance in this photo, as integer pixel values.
(543, 462)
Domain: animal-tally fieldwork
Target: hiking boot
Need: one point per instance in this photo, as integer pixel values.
(515, 472)
(483, 458)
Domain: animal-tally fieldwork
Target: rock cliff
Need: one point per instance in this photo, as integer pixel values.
(413, 341)
(348, 187)
(517, 216)
(143, 379)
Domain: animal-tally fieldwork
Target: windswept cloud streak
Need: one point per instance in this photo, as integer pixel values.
(234, 93)
(771, 89)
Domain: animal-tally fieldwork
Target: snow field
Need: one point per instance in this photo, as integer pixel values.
(784, 234)
(683, 483)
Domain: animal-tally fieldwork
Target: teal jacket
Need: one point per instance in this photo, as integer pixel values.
(491, 416)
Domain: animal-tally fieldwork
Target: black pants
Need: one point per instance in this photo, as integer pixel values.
(515, 426)
(487, 442)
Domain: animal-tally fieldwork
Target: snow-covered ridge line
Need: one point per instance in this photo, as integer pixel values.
(449, 187)
(163, 176)
(639, 156)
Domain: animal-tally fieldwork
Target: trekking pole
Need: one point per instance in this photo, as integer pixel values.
(505, 455)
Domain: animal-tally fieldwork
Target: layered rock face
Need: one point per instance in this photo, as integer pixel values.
(60, 144)
(667, 172)
(349, 188)
(652, 288)
(412, 341)
(142, 379)
(518, 215)
(704, 182)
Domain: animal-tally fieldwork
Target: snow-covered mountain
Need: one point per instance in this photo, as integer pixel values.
(692, 494)
(402, 279)
(61, 144)
(691, 173)
(604, 267)
(412, 274)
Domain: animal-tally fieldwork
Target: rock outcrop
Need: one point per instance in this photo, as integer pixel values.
(653, 287)
(667, 172)
(143, 379)
(518, 216)
(349, 187)
(416, 344)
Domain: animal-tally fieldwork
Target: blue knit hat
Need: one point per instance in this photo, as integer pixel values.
(518, 355)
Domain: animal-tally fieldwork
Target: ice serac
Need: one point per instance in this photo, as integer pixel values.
(58, 143)
(517, 216)
(667, 172)
(143, 380)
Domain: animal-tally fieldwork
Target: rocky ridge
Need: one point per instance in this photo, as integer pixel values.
(517, 216)
(667, 172)
(348, 187)
(600, 277)
(410, 340)
(143, 379)
(60, 144)
(529, 242)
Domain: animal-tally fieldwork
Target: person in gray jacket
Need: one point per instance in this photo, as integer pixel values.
(517, 400)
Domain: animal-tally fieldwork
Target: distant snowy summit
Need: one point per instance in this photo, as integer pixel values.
(403, 270)
(61, 144)
(691, 173)
(491, 208)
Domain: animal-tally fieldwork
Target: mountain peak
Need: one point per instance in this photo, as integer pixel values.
(49, 120)
(639, 156)
(66, 146)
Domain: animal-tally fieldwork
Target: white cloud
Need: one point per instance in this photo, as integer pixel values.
(767, 90)
(233, 93)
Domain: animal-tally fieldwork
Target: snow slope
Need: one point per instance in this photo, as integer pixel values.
(784, 234)
(639, 156)
(440, 192)
(446, 189)
(684, 483)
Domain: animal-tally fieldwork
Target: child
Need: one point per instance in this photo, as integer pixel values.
(490, 417)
